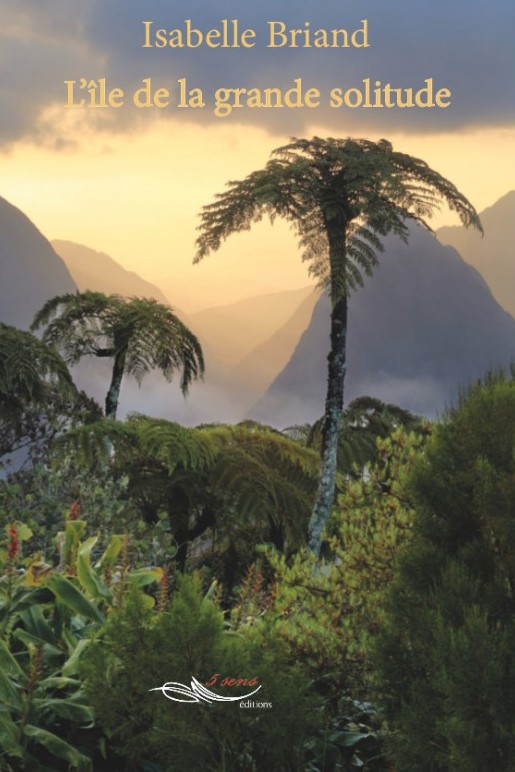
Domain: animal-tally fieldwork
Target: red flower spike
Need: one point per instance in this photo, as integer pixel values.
(74, 511)
(14, 543)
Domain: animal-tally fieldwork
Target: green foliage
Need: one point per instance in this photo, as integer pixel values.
(329, 612)
(43, 495)
(138, 334)
(351, 740)
(446, 655)
(37, 396)
(363, 421)
(239, 485)
(30, 436)
(43, 628)
(140, 650)
(28, 365)
(47, 615)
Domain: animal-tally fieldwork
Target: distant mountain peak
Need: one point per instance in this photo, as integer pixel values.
(424, 326)
(494, 254)
(98, 271)
(31, 272)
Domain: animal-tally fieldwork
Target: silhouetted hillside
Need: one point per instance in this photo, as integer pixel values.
(259, 368)
(236, 329)
(425, 324)
(494, 254)
(30, 270)
(97, 271)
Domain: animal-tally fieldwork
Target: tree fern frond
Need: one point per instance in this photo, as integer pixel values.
(27, 365)
(177, 446)
(139, 334)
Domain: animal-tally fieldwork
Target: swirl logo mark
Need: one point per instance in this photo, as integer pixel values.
(195, 693)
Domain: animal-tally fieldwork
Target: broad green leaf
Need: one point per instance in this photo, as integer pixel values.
(147, 601)
(68, 594)
(86, 575)
(59, 748)
(70, 667)
(69, 539)
(112, 551)
(24, 532)
(210, 594)
(59, 682)
(27, 638)
(34, 622)
(70, 638)
(75, 529)
(72, 709)
(348, 739)
(9, 694)
(9, 734)
(8, 663)
(143, 576)
(23, 598)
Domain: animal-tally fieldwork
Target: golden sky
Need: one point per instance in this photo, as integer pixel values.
(131, 184)
(137, 195)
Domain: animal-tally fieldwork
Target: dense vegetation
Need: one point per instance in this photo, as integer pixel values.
(446, 653)
(140, 552)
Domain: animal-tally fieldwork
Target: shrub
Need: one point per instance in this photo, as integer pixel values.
(47, 616)
(141, 649)
(447, 656)
(328, 612)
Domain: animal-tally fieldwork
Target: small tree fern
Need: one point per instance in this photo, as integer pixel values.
(37, 394)
(138, 334)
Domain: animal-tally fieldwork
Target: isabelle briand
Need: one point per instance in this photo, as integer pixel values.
(231, 34)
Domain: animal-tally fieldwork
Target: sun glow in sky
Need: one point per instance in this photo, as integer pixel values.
(137, 196)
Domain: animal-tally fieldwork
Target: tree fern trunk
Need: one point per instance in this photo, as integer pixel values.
(113, 395)
(334, 397)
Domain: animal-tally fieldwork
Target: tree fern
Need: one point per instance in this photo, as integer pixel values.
(224, 478)
(340, 196)
(138, 334)
(28, 365)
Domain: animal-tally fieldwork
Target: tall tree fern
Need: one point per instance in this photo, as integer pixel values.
(341, 196)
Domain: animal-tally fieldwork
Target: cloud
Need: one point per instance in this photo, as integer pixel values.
(466, 48)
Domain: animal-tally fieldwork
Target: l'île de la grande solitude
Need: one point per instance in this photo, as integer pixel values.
(230, 34)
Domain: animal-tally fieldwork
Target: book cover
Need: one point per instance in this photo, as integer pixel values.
(263, 249)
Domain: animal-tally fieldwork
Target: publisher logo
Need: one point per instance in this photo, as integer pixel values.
(197, 692)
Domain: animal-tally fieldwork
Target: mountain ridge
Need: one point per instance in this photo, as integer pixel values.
(424, 325)
(94, 270)
(493, 255)
(31, 271)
